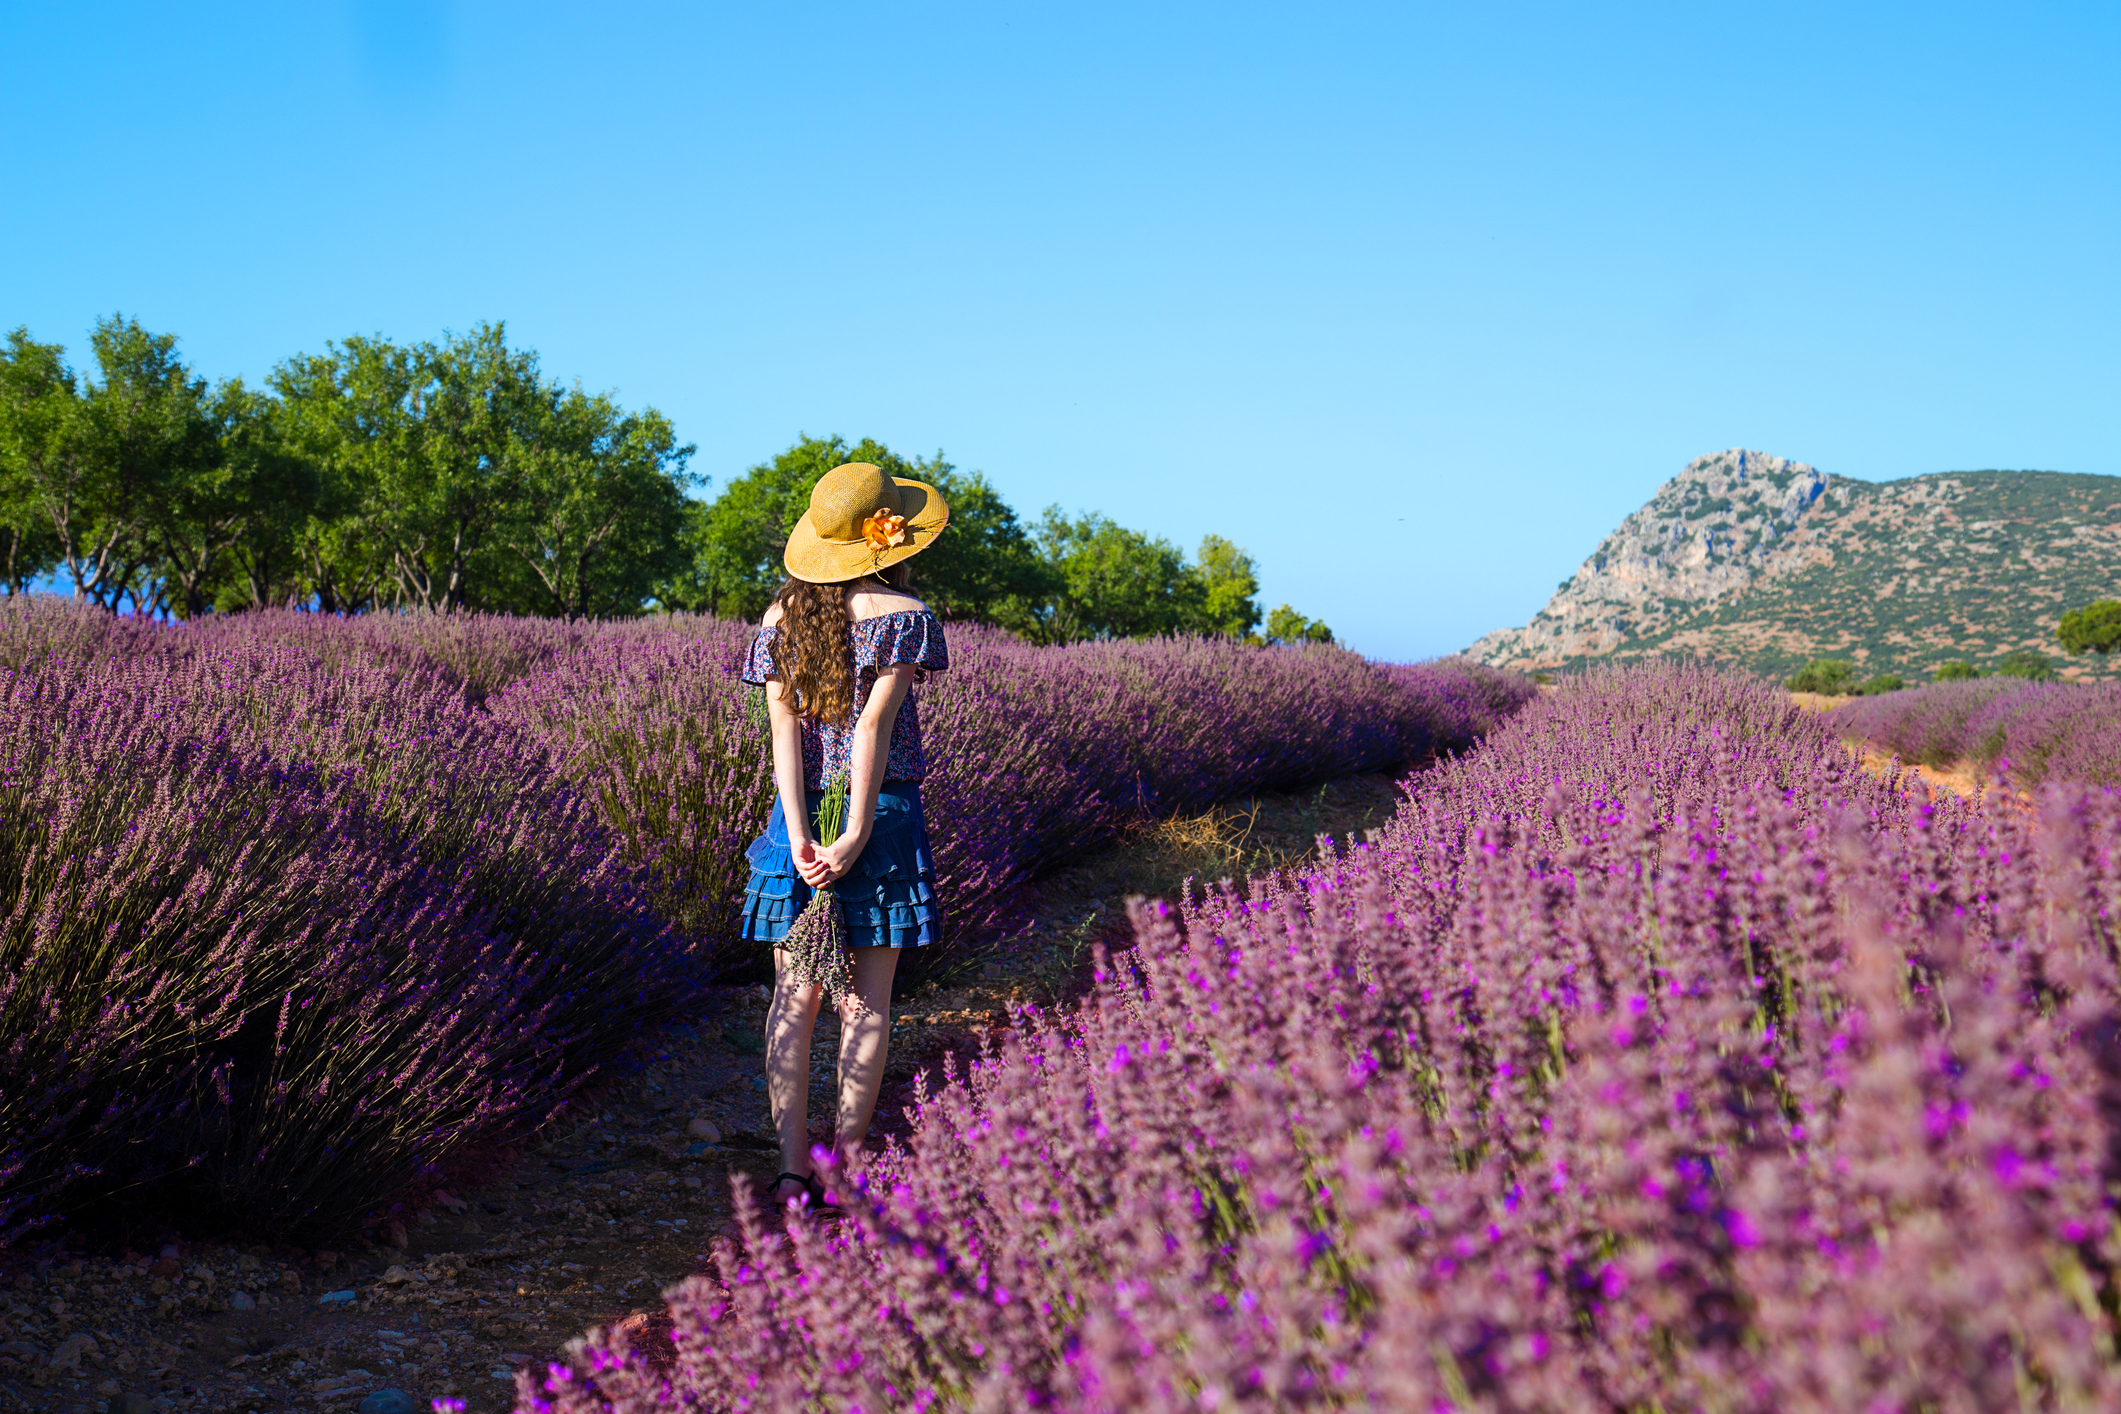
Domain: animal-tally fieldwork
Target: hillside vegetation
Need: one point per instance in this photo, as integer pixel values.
(1767, 564)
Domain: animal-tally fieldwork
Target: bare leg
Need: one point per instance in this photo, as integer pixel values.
(865, 1044)
(790, 1019)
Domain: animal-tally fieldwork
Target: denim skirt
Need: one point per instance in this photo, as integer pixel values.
(887, 898)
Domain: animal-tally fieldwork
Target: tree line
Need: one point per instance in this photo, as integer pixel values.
(458, 475)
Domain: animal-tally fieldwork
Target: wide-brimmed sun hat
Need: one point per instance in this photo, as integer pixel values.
(861, 520)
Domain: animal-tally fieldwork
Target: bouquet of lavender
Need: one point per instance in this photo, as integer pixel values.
(817, 940)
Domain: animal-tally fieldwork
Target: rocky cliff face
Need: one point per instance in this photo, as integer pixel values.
(1762, 563)
(1709, 532)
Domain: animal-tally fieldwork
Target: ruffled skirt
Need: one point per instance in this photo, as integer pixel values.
(887, 899)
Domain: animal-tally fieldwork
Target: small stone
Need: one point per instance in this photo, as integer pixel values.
(131, 1402)
(291, 1280)
(704, 1128)
(68, 1355)
(388, 1401)
(336, 1298)
(166, 1267)
(241, 1301)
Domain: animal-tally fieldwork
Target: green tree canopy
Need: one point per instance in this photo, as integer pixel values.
(1229, 580)
(2027, 663)
(985, 567)
(1285, 625)
(2095, 628)
(457, 475)
(1834, 677)
(1958, 671)
(38, 406)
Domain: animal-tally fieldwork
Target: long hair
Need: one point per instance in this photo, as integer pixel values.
(816, 659)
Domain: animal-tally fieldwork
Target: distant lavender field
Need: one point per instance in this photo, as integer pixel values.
(2039, 731)
(305, 915)
(1655, 1057)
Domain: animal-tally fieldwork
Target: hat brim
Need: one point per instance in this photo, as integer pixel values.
(813, 558)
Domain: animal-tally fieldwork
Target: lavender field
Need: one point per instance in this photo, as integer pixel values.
(1655, 1058)
(305, 917)
(2032, 731)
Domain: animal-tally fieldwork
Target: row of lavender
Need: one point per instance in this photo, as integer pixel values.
(1655, 1058)
(298, 914)
(2038, 731)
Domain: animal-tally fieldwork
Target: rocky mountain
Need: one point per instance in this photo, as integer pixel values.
(1765, 563)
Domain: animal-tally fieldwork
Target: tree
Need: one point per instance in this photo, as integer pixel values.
(1113, 582)
(1832, 677)
(235, 511)
(985, 567)
(345, 413)
(456, 475)
(278, 492)
(104, 460)
(1285, 625)
(2027, 663)
(1958, 671)
(732, 545)
(38, 403)
(2095, 628)
(430, 445)
(603, 500)
(1229, 593)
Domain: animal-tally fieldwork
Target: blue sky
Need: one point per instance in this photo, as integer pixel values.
(1412, 302)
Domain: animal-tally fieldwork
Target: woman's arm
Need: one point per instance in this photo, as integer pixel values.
(787, 731)
(872, 744)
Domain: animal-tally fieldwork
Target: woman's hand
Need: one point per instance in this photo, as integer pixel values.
(828, 863)
(807, 863)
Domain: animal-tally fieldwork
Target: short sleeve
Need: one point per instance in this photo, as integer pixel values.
(914, 636)
(758, 660)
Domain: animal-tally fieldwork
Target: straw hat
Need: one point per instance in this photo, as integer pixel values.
(861, 520)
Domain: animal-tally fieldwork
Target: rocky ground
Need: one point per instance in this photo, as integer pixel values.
(593, 1224)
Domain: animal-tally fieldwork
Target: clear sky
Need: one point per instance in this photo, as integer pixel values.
(1412, 302)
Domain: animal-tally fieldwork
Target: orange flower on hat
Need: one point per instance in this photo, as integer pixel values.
(884, 530)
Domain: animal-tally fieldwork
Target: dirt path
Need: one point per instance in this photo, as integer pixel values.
(593, 1224)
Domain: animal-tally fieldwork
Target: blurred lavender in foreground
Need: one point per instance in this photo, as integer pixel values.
(1655, 1057)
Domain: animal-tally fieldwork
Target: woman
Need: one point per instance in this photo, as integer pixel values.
(839, 651)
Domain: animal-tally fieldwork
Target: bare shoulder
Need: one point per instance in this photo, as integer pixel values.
(772, 615)
(875, 603)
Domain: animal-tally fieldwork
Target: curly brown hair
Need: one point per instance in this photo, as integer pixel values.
(816, 663)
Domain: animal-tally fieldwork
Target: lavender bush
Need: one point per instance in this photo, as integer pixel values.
(1036, 753)
(299, 913)
(279, 943)
(2046, 731)
(1655, 1057)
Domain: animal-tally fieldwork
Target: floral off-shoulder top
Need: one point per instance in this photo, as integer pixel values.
(907, 636)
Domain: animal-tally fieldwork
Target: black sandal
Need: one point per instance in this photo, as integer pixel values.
(813, 1191)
